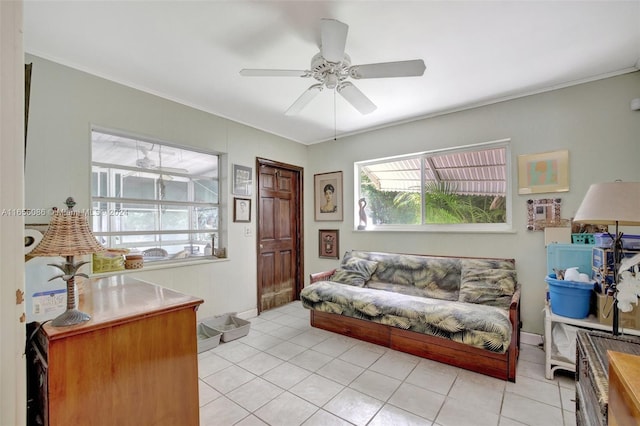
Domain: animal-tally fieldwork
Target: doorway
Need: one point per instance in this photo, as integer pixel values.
(280, 233)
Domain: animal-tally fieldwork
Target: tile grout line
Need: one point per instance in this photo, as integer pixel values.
(275, 325)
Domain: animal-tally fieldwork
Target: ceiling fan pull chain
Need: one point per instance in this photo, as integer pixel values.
(335, 126)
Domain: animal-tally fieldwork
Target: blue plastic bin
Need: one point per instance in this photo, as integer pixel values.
(569, 298)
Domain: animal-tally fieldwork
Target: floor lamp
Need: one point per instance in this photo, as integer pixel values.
(612, 203)
(68, 235)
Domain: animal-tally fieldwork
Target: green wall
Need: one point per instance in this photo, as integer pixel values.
(592, 120)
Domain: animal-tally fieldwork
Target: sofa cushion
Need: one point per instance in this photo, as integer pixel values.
(488, 282)
(354, 271)
(481, 326)
(426, 276)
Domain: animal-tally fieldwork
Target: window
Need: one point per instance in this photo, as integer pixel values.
(157, 198)
(464, 188)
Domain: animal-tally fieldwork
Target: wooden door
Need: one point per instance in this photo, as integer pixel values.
(279, 234)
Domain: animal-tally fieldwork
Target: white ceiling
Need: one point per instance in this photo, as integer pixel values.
(476, 52)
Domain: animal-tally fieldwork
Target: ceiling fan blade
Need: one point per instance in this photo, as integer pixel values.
(355, 97)
(172, 170)
(273, 73)
(411, 68)
(304, 99)
(333, 38)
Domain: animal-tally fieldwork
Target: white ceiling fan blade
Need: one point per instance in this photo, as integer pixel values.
(333, 38)
(273, 73)
(304, 99)
(355, 97)
(172, 170)
(411, 68)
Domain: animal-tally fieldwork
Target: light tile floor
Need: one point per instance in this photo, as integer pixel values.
(284, 372)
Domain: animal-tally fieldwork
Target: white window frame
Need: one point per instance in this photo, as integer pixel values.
(506, 227)
(109, 205)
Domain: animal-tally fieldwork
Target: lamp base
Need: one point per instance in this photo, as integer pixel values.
(70, 317)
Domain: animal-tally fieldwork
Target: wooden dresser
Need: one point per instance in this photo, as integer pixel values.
(135, 362)
(624, 389)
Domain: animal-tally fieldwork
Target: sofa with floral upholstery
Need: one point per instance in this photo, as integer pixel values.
(457, 310)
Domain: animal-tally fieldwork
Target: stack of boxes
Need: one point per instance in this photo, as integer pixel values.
(602, 263)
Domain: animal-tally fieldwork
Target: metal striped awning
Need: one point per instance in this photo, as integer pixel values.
(480, 172)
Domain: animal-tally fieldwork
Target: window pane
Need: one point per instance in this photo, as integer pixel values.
(206, 218)
(390, 207)
(138, 187)
(173, 190)
(206, 191)
(171, 197)
(444, 205)
(174, 218)
(461, 186)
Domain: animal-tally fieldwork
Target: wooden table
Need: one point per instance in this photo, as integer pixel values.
(135, 362)
(624, 389)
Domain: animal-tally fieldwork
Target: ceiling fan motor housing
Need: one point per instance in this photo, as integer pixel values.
(145, 163)
(330, 73)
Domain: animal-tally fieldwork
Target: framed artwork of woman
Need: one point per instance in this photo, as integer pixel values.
(328, 196)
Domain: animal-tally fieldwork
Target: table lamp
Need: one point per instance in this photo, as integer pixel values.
(68, 235)
(612, 203)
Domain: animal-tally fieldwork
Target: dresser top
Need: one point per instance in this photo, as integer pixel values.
(627, 369)
(119, 299)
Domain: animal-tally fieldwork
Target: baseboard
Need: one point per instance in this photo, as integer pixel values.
(530, 338)
(251, 313)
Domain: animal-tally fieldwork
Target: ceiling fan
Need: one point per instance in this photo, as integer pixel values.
(149, 164)
(332, 68)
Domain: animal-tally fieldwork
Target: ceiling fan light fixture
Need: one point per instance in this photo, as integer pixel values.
(331, 80)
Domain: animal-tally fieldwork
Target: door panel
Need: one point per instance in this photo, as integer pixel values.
(284, 230)
(279, 234)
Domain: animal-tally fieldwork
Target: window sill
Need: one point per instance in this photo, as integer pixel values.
(455, 229)
(154, 266)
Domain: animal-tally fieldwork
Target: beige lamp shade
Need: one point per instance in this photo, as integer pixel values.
(68, 235)
(610, 203)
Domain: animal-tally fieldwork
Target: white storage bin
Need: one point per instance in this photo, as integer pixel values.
(208, 338)
(229, 325)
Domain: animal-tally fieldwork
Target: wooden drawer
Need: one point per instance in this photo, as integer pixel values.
(592, 373)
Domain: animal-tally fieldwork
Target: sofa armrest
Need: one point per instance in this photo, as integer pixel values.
(320, 276)
(515, 300)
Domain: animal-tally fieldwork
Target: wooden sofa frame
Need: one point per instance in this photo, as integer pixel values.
(501, 366)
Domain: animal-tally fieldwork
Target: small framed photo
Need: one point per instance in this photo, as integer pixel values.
(543, 172)
(328, 196)
(241, 210)
(329, 244)
(542, 213)
(242, 180)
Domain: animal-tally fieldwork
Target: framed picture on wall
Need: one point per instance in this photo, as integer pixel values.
(543, 172)
(544, 212)
(241, 210)
(329, 244)
(328, 196)
(242, 181)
